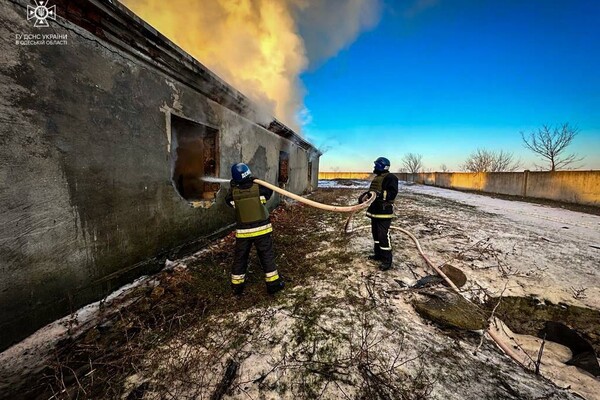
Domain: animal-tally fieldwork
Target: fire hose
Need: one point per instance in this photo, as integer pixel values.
(497, 339)
(349, 229)
(315, 204)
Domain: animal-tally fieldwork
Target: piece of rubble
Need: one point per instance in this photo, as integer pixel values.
(451, 310)
(584, 356)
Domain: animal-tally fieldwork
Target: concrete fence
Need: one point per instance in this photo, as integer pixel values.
(579, 187)
(344, 175)
(358, 175)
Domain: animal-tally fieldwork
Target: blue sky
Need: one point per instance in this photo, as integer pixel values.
(450, 76)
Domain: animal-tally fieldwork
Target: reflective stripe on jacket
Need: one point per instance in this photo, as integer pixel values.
(253, 232)
(391, 215)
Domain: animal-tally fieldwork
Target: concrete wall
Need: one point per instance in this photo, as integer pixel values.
(86, 197)
(345, 175)
(510, 183)
(357, 175)
(579, 187)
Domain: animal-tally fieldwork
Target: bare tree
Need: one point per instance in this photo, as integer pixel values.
(413, 162)
(483, 160)
(478, 161)
(551, 143)
(444, 168)
(504, 161)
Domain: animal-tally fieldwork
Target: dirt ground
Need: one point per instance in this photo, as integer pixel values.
(341, 329)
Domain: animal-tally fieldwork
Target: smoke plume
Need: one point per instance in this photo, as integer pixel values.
(261, 46)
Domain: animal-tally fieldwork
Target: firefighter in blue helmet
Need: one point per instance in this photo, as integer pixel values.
(381, 211)
(253, 227)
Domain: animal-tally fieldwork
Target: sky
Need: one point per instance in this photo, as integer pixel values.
(362, 79)
(442, 78)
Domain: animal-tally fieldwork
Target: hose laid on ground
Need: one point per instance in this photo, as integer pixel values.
(348, 229)
(315, 204)
(497, 339)
(439, 271)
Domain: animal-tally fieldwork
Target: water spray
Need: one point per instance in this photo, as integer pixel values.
(213, 179)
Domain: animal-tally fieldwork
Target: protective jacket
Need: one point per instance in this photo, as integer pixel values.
(253, 229)
(385, 185)
(252, 216)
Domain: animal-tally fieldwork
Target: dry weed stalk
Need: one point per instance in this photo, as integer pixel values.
(578, 293)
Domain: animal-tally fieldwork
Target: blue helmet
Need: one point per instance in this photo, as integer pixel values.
(382, 164)
(240, 171)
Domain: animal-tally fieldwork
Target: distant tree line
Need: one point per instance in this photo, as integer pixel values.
(483, 160)
(549, 143)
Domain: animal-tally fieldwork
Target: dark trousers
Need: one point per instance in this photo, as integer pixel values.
(266, 255)
(380, 228)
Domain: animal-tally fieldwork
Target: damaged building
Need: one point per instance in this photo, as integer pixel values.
(105, 136)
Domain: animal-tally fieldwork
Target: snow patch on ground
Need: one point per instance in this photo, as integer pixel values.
(521, 241)
(352, 331)
(344, 184)
(557, 222)
(33, 353)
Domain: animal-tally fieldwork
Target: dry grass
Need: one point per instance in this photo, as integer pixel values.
(96, 364)
(336, 332)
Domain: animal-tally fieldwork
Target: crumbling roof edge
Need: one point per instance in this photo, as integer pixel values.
(275, 126)
(282, 130)
(113, 22)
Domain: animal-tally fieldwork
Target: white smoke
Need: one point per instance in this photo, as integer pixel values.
(262, 46)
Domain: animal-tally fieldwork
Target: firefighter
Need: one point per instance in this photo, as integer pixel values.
(381, 211)
(253, 227)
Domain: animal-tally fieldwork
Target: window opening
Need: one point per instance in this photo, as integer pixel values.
(194, 151)
(284, 167)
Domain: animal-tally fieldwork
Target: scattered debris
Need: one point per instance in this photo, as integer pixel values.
(342, 329)
(454, 274)
(228, 377)
(428, 281)
(578, 293)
